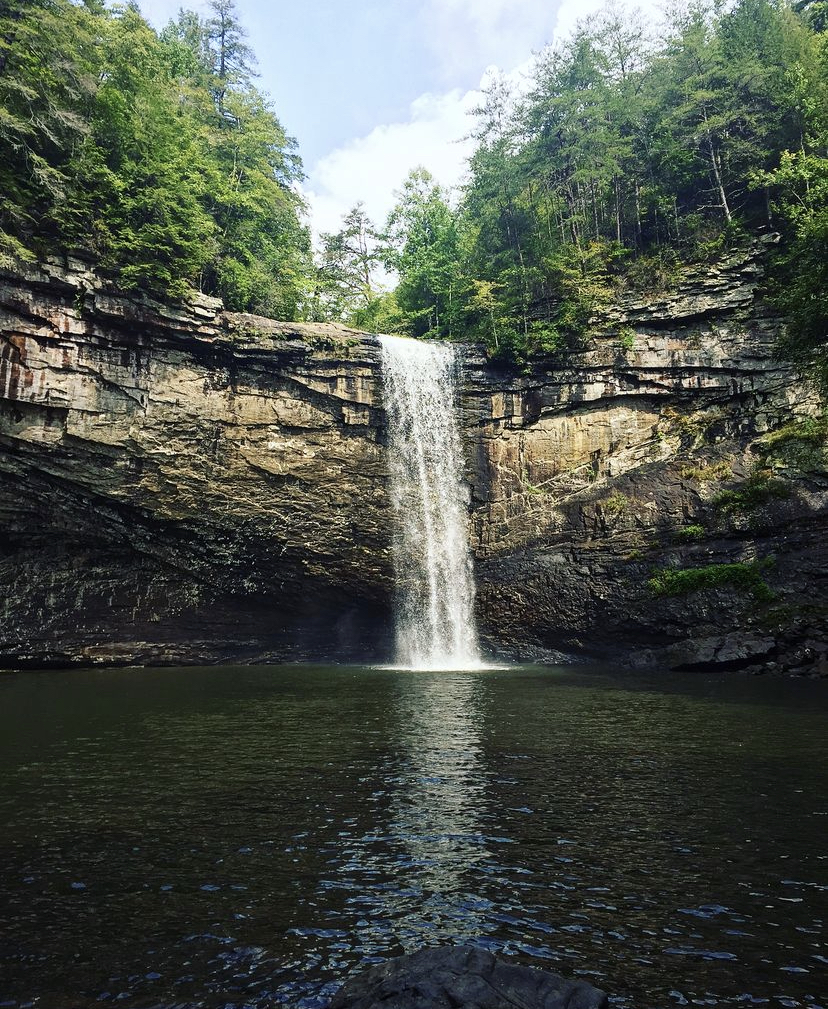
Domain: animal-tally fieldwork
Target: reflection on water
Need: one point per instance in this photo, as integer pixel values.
(436, 811)
(247, 837)
(406, 878)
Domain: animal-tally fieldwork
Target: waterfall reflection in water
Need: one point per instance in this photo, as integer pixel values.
(437, 814)
(248, 837)
(428, 832)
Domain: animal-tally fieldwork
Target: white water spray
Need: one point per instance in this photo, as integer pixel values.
(432, 561)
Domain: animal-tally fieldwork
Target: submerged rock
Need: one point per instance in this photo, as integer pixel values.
(456, 977)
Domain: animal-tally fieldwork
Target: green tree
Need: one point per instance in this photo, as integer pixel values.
(152, 154)
(499, 218)
(138, 183)
(629, 153)
(261, 260)
(422, 246)
(801, 186)
(349, 261)
(187, 40)
(47, 83)
(232, 58)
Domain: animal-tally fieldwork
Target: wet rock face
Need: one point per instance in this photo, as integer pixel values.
(463, 977)
(671, 443)
(178, 483)
(181, 478)
(658, 379)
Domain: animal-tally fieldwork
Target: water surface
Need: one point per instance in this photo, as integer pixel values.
(245, 836)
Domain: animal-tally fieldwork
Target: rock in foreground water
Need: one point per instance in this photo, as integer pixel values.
(456, 977)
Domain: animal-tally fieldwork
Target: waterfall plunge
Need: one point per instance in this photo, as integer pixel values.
(432, 561)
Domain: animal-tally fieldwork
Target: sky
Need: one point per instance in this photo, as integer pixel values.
(374, 88)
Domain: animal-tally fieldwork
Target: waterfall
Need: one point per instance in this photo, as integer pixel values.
(432, 561)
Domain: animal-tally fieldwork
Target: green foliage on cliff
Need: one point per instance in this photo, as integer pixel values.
(152, 154)
(801, 186)
(799, 447)
(758, 490)
(626, 157)
(690, 534)
(423, 246)
(345, 289)
(682, 581)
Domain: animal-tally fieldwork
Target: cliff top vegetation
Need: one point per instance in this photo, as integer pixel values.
(153, 154)
(626, 156)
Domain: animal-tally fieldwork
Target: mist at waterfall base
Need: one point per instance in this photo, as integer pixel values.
(249, 836)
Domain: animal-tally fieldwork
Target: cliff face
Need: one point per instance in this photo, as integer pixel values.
(186, 484)
(612, 492)
(181, 482)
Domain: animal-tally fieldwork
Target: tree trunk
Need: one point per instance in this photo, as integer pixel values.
(617, 210)
(717, 173)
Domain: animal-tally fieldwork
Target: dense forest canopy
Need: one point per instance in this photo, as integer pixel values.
(626, 156)
(154, 154)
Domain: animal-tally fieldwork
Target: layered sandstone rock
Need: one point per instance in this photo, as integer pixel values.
(593, 474)
(181, 484)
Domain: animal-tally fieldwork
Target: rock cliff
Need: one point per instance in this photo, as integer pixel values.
(178, 483)
(181, 483)
(660, 497)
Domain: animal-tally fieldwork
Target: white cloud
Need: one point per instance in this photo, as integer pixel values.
(651, 12)
(469, 34)
(371, 168)
(159, 12)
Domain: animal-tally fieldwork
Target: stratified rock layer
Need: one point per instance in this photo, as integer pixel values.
(462, 977)
(671, 443)
(181, 484)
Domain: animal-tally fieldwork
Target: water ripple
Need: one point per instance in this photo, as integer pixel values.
(244, 838)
